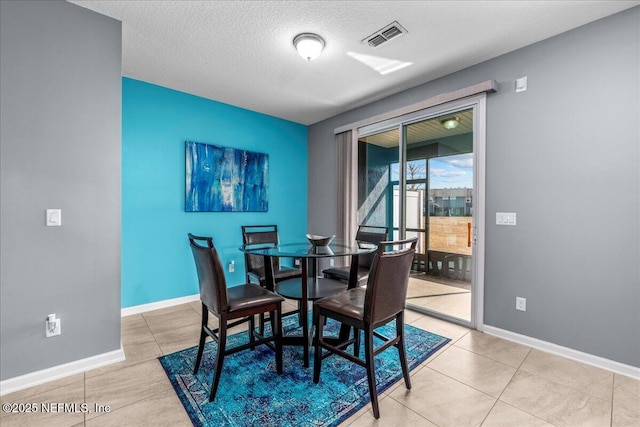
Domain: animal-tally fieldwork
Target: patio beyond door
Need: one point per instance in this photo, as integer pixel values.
(417, 177)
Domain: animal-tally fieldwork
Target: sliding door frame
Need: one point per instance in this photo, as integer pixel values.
(477, 102)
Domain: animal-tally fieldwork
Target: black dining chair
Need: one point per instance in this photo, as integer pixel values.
(366, 233)
(267, 236)
(365, 309)
(241, 302)
(264, 235)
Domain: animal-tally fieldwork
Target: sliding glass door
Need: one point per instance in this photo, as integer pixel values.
(375, 178)
(416, 175)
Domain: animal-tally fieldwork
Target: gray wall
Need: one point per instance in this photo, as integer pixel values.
(60, 148)
(564, 155)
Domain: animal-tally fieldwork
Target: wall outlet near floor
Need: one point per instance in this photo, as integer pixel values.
(232, 266)
(521, 304)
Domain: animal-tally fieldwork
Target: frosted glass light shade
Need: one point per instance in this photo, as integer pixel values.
(451, 123)
(308, 45)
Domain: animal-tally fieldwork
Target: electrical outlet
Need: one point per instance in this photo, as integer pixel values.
(52, 326)
(521, 84)
(332, 262)
(521, 304)
(54, 217)
(232, 266)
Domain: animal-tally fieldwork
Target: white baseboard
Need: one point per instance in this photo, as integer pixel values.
(136, 309)
(55, 373)
(579, 356)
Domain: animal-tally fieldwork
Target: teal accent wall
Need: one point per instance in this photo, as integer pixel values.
(156, 259)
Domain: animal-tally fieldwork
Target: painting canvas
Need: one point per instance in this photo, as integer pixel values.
(224, 179)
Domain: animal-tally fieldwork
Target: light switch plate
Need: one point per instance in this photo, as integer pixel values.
(505, 218)
(54, 217)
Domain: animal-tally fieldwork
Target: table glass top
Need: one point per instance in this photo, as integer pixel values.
(306, 250)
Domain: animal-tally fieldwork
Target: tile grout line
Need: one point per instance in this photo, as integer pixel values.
(152, 334)
(557, 382)
(613, 388)
(505, 389)
(199, 314)
(489, 412)
(467, 385)
(450, 344)
(491, 358)
(518, 369)
(528, 413)
(501, 393)
(135, 364)
(420, 415)
(460, 382)
(84, 393)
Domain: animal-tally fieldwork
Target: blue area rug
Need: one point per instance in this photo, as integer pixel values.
(251, 393)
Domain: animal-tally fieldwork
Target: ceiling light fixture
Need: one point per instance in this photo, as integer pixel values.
(451, 122)
(308, 45)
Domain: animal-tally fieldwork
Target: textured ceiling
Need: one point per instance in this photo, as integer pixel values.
(241, 52)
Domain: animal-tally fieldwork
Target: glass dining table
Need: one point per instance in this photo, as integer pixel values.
(314, 287)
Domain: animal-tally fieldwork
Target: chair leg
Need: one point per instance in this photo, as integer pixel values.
(203, 337)
(222, 343)
(356, 343)
(252, 330)
(401, 349)
(371, 372)
(272, 321)
(261, 325)
(276, 325)
(318, 321)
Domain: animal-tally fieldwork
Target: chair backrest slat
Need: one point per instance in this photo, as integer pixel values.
(211, 280)
(266, 235)
(372, 234)
(388, 280)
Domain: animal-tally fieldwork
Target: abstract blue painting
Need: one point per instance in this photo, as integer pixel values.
(224, 179)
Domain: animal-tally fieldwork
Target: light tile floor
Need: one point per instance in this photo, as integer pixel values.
(476, 380)
(448, 297)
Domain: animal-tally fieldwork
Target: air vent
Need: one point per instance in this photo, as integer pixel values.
(387, 33)
(392, 32)
(376, 41)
